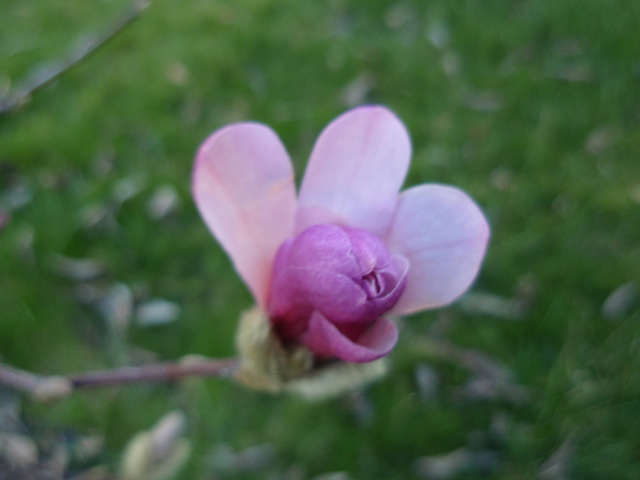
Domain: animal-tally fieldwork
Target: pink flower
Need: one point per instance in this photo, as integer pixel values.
(329, 265)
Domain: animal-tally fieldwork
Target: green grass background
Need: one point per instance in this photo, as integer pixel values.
(502, 98)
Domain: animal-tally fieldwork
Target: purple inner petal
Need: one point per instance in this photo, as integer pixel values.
(346, 276)
(324, 338)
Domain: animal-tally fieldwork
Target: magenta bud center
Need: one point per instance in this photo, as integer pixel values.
(346, 274)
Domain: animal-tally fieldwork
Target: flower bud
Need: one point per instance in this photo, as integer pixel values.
(330, 287)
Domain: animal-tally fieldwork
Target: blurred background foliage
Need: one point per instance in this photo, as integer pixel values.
(533, 107)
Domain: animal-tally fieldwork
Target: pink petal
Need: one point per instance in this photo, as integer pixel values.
(324, 338)
(355, 171)
(444, 235)
(244, 189)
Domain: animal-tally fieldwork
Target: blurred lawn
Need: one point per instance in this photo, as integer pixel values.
(533, 107)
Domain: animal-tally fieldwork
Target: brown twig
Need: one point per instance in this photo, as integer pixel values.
(48, 74)
(19, 380)
(50, 387)
(160, 372)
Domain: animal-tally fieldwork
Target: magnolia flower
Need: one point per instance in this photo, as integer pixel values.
(332, 265)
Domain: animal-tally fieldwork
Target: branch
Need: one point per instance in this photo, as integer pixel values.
(18, 379)
(159, 372)
(52, 387)
(45, 76)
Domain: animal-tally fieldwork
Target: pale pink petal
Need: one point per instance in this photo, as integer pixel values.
(355, 171)
(444, 235)
(244, 188)
(324, 338)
